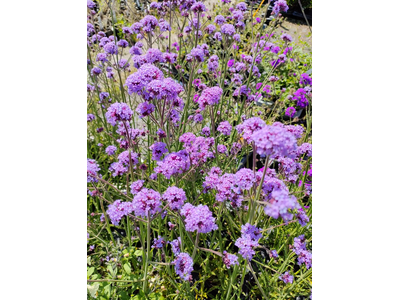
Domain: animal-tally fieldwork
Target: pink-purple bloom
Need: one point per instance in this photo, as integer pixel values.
(145, 202)
(183, 265)
(175, 197)
(198, 218)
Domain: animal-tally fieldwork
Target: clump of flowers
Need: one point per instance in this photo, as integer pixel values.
(198, 218)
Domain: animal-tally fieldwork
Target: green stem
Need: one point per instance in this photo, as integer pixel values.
(147, 253)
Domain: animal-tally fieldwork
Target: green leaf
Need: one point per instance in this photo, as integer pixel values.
(127, 268)
(138, 253)
(107, 290)
(90, 271)
(93, 289)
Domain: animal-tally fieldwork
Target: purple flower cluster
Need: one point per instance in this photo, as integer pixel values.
(290, 112)
(279, 204)
(248, 241)
(146, 201)
(304, 149)
(136, 186)
(92, 169)
(300, 97)
(176, 246)
(230, 259)
(118, 112)
(137, 81)
(286, 277)
(274, 141)
(158, 150)
(209, 96)
(305, 79)
(303, 255)
(90, 117)
(158, 243)
(289, 168)
(198, 218)
(183, 265)
(198, 148)
(228, 29)
(110, 150)
(213, 63)
(175, 197)
(118, 210)
(225, 128)
(174, 163)
(250, 126)
(280, 5)
(302, 218)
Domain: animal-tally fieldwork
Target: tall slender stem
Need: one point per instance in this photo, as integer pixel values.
(147, 253)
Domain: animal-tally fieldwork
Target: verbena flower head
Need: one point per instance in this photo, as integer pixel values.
(118, 112)
(252, 231)
(173, 164)
(248, 241)
(176, 246)
(164, 26)
(158, 243)
(110, 150)
(303, 255)
(210, 29)
(273, 254)
(279, 6)
(304, 149)
(219, 20)
(280, 204)
(118, 210)
(274, 141)
(111, 48)
(290, 112)
(136, 186)
(175, 197)
(198, 218)
(145, 109)
(158, 150)
(137, 81)
(91, 4)
(250, 126)
(183, 265)
(198, 118)
(90, 117)
(286, 277)
(92, 169)
(230, 259)
(198, 7)
(286, 37)
(225, 128)
(127, 157)
(210, 96)
(302, 218)
(149, 23)
(289, 168)
(244, 180)
(228, 29)
(146, 201)
(241, 6)
(305, 79)
(296, 130)
(300, 97)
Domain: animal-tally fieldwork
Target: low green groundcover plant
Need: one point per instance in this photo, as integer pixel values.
(199, 164)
